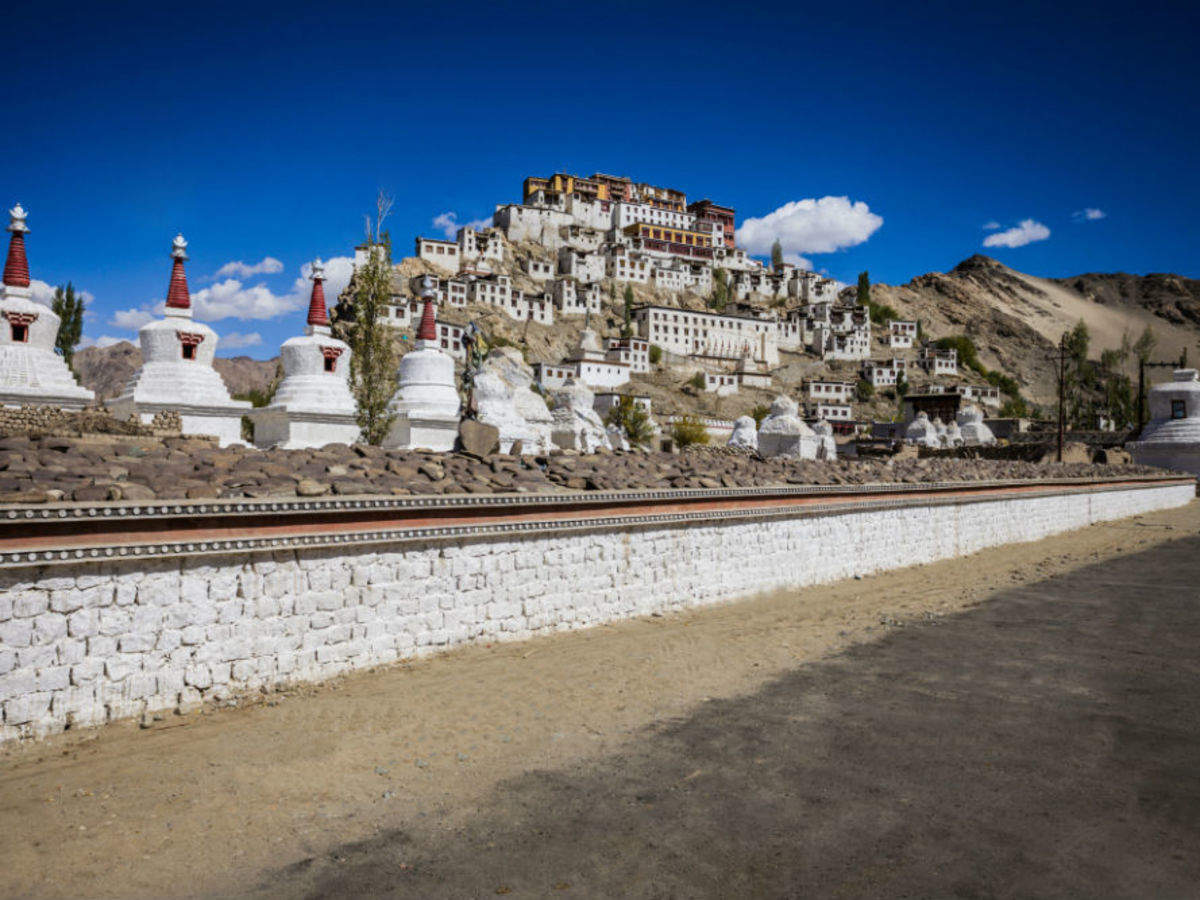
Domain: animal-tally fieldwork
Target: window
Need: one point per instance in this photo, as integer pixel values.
(20, 333)
(330, 364)
(189, 351)
(1178, 409)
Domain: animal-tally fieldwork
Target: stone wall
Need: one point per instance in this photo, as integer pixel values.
(81, 645)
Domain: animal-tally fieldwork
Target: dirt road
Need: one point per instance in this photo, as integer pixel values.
(874, 737)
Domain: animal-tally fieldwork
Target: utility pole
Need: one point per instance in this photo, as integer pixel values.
(1060, 358)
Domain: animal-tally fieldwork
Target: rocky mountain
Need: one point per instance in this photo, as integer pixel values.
(106, 370)
(1015, 319)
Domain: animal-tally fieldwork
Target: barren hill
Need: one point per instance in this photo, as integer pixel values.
(106, 369)
(1015, 319)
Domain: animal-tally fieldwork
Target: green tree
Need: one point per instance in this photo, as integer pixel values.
(760, 412)
(655, 354)
(1144, 346)
(720, 292)
(373, 359)
(633, 420)
(688, 430)
(864, 288)
(864, 390)
(697, 381)
(68, 306)
(901, 387)
(777, 256)
(627, 328)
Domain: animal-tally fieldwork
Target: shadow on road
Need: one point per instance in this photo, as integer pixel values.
(1045, 743)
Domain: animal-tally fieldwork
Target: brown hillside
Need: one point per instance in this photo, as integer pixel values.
(106, 370)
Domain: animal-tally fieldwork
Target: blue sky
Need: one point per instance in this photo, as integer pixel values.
(264, 132)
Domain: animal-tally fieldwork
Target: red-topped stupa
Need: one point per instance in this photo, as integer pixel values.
(177, 371)
(31, 372)
(313, 405)
(426, 405)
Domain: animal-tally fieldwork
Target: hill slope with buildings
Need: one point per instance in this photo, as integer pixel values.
(1015, 319)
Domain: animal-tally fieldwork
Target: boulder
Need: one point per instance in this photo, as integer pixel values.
(478, 438)
(745, 434)
(616, 438)
(504, 397)
(577, 426)
(783, 433)
(826, 445)
(1113, 456)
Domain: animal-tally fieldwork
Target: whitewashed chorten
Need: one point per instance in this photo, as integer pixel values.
(1171, 439)
(177, 369)
(312, 406)
(426, 405)
(31, 373)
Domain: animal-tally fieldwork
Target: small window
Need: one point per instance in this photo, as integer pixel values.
(188, 350)
(20, 333)
(1178, 409)
(330, 364)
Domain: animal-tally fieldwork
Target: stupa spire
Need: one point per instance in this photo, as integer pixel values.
(16, 266)
(177, 293)
(317, 314)
(428, 328)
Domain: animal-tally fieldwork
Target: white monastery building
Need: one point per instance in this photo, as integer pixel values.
(177, 371)
(31, 373)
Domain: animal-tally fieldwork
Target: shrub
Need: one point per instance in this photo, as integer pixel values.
(687, 431)
(631, 419)
(759, 413)
(655, 354)
(864, 390)
(697, 381)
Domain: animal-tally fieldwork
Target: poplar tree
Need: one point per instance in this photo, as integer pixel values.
(373, 359)
(864, 289)
(68, 306)
(627, 328)
(777, 256)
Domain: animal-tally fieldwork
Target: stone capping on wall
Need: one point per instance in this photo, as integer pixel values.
(68, 533)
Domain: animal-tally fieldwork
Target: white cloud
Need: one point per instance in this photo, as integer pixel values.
(131, 319)
(1088, 214)
(810, 226)
(268, 265)
(795, 259)
(991, 226)
(233, 299)
(237, 340)
(447, 223)
(1025, 232)
(43, 293)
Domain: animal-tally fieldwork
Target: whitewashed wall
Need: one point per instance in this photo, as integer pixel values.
(88, 644)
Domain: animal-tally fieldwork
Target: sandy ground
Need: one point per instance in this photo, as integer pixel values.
(220, 803)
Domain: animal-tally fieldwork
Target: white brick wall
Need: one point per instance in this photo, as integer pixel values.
(81, 645)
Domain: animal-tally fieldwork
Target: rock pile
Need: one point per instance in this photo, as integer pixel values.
(42, 469)
(52, 420)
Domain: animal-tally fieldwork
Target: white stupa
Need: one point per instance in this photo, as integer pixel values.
(1171, 438)
(426, 404)
(177, 369)
(312, 406)
(31, 373)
